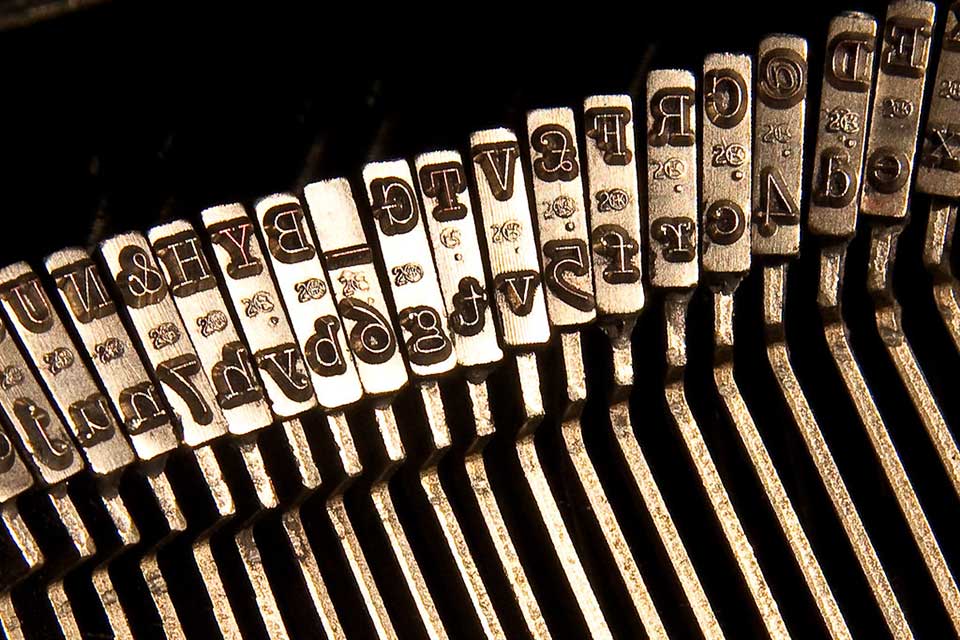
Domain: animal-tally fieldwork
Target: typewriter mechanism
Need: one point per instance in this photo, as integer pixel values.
(670, 352)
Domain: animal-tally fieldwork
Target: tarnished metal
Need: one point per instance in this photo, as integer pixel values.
(835, 332)
(563, 235)
(842, 125)
(156, 324)
(288, 389)
(938, 171)
(611, 176)
(508, 237)
(92, 312)
(670, 130)
(560, 217)
(613, 201)
(428, 346)
(941, 224)
(725, 167)
(782, 82)
(373, 342)
(895, 119)
(524, 324)
(449, 212)
(49, 348)
(778, 135)
(672, 205)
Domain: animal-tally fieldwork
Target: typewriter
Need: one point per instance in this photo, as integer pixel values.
(665, 347)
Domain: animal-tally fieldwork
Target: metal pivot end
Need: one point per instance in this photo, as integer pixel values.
(84, 411)
(158, 330)
(245, 274)
(88, 306)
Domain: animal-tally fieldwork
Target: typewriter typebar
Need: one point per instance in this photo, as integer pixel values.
(674, 360)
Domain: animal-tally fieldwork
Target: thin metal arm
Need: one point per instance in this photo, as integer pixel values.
(646, 485)
(85, 547)
(739, 414)
(340, 520)
(572, 430)
(546, 503)
(309, 477)
(490, 511)
(32, 558)
(149, 563)
(835, 331)
(128, 535)
(883, 248)
(446, 518)
(247, 545)
(675, 311)
(774, 292)
(390, 520)
(936, 257)
(202, 552)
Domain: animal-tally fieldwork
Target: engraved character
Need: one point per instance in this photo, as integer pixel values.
(940, 148)
(558, 153)
(888, 169)
(607, 127)
(179, 374)
(85, 291)
(907, 40)
(498, 162)
(7, 454)
(850, 57)
(141, 284)
(835, 186)
(428, 344)
(323, 348)
(234, 379)
(724, 222)
(675, 236)
(782, 78)
(235, 238)
(614, 243)
(92, 417)
(951, 35)
(444, 182)
(285, 367)
(371, 339)
(724, 97)
(673, 118)
(54, 452)
(563, 257)
(776, 206)
(186, 264)
(518, 289)
(469, 303)
(141, 409)
(29, 303)
(394, 205)
(286, 232)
